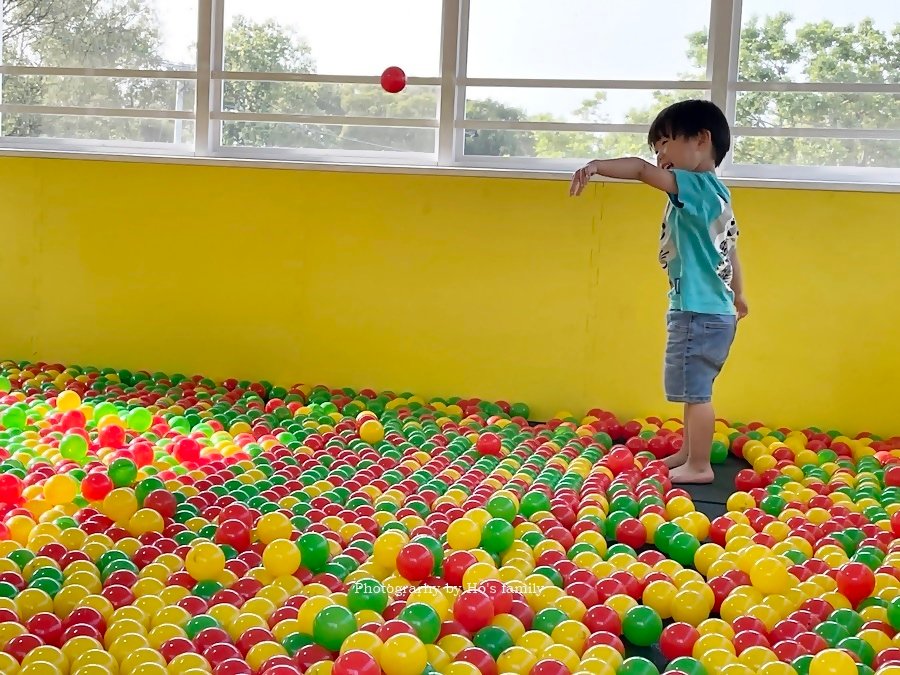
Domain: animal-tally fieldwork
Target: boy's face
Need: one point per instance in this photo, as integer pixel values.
(692, 154)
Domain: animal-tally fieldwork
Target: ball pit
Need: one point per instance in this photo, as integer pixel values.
(164, 524)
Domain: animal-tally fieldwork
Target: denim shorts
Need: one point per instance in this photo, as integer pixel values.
(696, 349)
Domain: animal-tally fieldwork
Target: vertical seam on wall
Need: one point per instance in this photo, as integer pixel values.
(39, 225)
(592, 341)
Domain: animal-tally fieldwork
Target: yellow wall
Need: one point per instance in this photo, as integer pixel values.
(440, 285)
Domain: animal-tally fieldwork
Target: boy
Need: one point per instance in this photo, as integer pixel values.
(698, 251)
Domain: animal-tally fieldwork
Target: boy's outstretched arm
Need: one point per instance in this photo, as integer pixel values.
(627, 168)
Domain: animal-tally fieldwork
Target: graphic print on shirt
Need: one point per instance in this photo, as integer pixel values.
(724, 233)
(668, 252)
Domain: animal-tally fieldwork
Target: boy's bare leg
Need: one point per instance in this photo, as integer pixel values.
(681, 456)
(700, 418)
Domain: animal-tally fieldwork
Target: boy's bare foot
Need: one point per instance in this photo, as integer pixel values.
(676, 460)
(688, 475)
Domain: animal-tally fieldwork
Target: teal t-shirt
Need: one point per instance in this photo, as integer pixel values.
(698, 232)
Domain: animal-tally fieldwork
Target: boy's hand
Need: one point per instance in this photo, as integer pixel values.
(581, 178)
(740, 304)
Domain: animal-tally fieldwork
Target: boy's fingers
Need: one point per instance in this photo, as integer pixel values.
(575, 186)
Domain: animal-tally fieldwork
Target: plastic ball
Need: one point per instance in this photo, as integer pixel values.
(642, 626)
(122, 472)
(415, 562)
(403, 654)
(205, 561)
(770, 576)
(424, 620)
(332, 626)
(367, 594)
(832, 662)
(314, 550)
(60, 489)
(387, 548)
(637, 665)
(497, 536)
(855, 581)
(473, 609)
(393, 81)
(463, 534)
(74, 446)
(371, 431)
(355, 662)
(281, 557)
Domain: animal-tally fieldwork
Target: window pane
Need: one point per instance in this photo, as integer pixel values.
(126, 130)
(823, 41)
(135, 34)
(587, 39)
(554, 144)
(616, 106)
(327, 137)
(353, 37)
(825, 111)
(314, 98)
(100, 92)
(817, 152)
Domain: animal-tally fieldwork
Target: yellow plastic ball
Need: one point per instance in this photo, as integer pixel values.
(691, 607)
(516, 660)
(371, 431)
(205, 561)
(478, 573)
(281, 557)
(535, 641)
(770, 575)
(363, 641)
(463, 534)
(68, 400)
(262, 652)
(60, 489)
(659, 595)
(273, 526)
(403, 654)
(832, 662)
(387, 547)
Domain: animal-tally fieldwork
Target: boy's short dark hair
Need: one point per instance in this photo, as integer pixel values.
(689, 118)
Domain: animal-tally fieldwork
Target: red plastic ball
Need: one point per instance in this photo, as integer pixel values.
(161, 501)
(95, 486)
(455, 566)
(677, 640)
(549, 667)
(499, 594)
(855, 581)
(356, 662)
(393, 80)
(415, 562)
(478, 658)
(603, 618)
(631, 532)
(473, 609)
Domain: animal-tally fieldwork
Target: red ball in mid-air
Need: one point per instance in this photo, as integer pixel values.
(393, 80)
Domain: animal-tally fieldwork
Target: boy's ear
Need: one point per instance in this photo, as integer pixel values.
(704, 137)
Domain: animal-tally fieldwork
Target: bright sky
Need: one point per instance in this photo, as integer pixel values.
(595, 39)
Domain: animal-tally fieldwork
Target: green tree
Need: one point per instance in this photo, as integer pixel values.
(268, 47)
(86, 34)
(772, 50)
(497, 142)
(822, 52)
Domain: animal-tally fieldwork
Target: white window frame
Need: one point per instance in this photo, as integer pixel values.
(722, 84)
